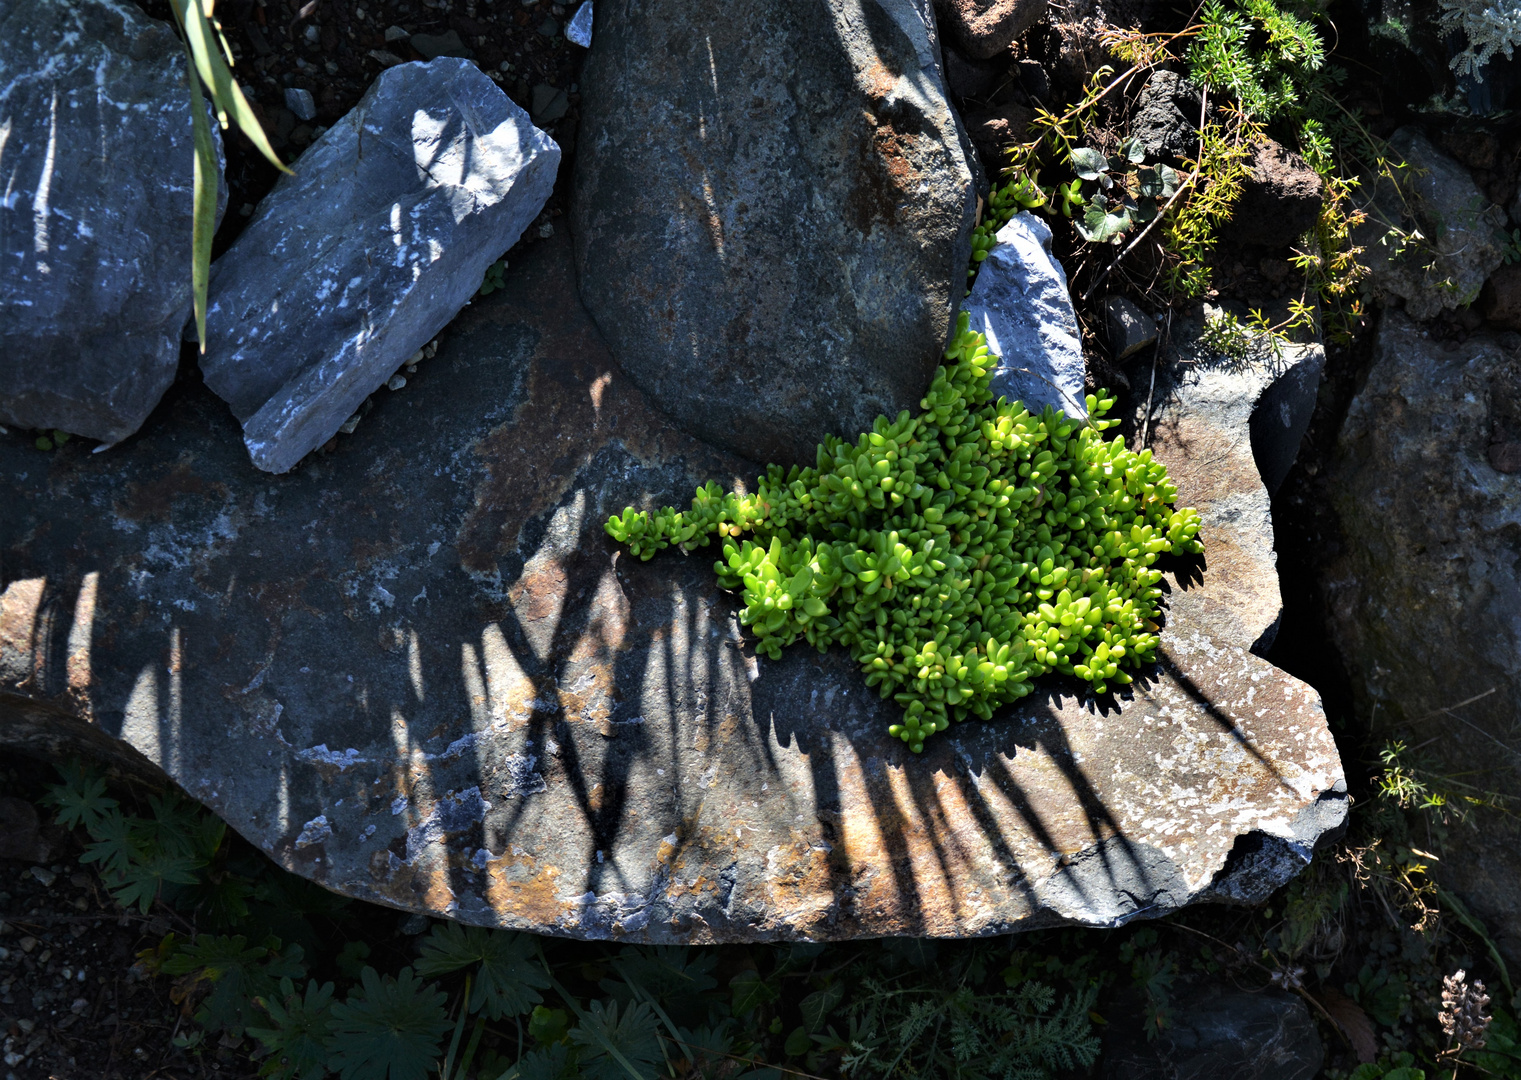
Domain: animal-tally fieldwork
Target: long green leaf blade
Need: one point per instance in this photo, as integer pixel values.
(226, 94)
(204, 220)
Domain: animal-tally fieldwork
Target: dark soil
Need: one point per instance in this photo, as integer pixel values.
(75, 1003)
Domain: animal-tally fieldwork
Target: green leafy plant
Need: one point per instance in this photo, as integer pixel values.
(239, 976)
(295, 1042)
(958, 555)
(495, 278)
(507, 975)
(1130, 193)
(388, 1029)
(212, 66)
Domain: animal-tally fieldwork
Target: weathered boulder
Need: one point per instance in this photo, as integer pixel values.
(1214, 1032)
(993, 130)
(95, 223)
(772, 212)
(1424, 593)
(417, 671)
(1448, 267)
(1020, 303)
(361, 257)
(984, 28)
(1280, 197)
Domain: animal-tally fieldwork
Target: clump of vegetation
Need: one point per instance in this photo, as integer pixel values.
(321, 986)
(958, 555)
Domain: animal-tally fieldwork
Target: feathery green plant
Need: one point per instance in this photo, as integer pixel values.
(958, 555)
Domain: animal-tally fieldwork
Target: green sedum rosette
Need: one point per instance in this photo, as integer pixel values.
(958, 555)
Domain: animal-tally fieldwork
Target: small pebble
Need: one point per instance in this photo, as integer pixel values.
(396, 382)
(27, 943)
(396, 33)
(78, 1005)
(26, 1026)
(348, 426)
(411, 369)
(47, 877)
(546, 230)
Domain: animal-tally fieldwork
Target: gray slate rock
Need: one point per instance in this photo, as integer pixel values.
(579, 30)
(417, 671)
(1423, 598)
(354, 263)
(1214, 1032)
(1127, 328)
(96, 220)
(1459, 223)
(1020, 302)
(772, 212)
(301, 103)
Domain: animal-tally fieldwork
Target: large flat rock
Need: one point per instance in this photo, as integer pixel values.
(417, 671)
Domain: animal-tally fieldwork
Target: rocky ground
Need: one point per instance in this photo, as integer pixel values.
(75, 1000)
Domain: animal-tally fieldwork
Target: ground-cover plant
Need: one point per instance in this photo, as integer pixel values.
(958, 555)
(1364, 937)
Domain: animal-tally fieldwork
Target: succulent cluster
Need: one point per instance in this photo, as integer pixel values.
(958, 555)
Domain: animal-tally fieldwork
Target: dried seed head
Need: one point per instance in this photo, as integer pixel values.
(1464, 1016)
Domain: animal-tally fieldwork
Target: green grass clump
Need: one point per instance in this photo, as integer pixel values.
(958, 555)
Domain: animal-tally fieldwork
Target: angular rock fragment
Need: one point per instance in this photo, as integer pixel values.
(383, 234)
(579, 30)
(1167, 116)
(1458, 250)
(417, 672)
(772, 212)
(1127, 328)
(97, 155)
(1020, 302)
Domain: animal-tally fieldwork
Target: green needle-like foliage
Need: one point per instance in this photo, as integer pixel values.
(958, 555)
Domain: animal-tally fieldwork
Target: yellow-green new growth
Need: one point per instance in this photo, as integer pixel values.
(958, 555)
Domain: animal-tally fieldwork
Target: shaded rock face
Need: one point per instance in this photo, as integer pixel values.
(95, 224)
(352, 264)
(1459, 223)
(1167, 116)
(1020, 303)
(984, 28)
(1280, 199)
(1425, 595)
(1215, 1032)
(1127, 328)
(772, 213)
(418, 672)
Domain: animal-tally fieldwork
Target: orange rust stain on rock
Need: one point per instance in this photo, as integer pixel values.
(153, 500)
(520, 887)
(879, 80)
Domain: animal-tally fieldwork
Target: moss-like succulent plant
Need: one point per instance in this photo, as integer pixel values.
(958, 555)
